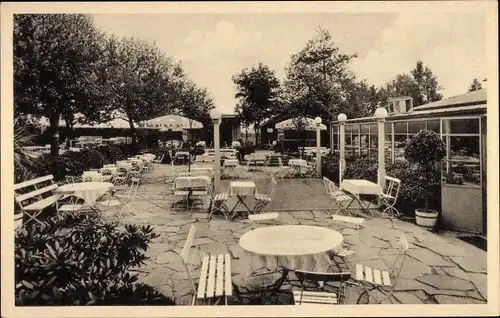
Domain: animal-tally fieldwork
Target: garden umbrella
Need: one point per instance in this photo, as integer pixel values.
(173, 122)
(298, 123)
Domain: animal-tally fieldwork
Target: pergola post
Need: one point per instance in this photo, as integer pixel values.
(342, 118)
(216, 118)
(317, 121)
(380, 115)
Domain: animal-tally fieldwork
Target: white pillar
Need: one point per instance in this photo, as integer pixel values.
(216, 120)
(380, 114)
(342, 118)
(317, 120)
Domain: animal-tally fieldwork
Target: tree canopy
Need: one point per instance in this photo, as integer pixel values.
(476, 85)
(64, 66)
(258, 91)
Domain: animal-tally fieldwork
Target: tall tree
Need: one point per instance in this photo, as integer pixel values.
(142, 83)
(55, 56)
(476, 85)
(427, 84)
(258, 91)
(317, 79)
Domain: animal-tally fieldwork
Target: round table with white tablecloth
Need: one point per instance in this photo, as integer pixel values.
(289, 247)
(95, 176)
(90, 192)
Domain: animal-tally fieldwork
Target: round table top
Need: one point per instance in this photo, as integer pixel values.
(291, 240)
(84, 186)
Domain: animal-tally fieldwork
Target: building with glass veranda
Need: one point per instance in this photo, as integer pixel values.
(461, 123)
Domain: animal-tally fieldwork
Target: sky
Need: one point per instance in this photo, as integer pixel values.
(214, 47)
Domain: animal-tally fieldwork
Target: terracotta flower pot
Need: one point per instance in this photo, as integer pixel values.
(426, 218)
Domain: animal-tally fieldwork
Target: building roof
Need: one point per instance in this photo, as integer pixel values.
(470, 98)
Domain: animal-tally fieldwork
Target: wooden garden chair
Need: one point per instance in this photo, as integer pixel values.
(215, 281)
(320, 295)
(381, 280)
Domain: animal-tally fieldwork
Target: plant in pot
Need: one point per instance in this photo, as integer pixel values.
(427, 150)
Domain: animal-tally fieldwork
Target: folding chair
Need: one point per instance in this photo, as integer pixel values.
(389, 197)
(158, 161)
(215, 281)
(337, 196)
(320, 295)
(199, 191)
(311, 170)
(356, 223)
(125, 199)
(218, 203)
(381, 280)
(284, 171)
(263, 200)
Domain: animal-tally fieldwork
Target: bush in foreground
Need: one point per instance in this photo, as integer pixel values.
(82, 260)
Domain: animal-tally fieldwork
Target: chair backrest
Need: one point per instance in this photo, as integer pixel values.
(322, 277)
(316, 277)
(187, 255)
(34, 190)
(326, 183)
(272, 187)
(280, 162)
(399, 260)
(391, 186)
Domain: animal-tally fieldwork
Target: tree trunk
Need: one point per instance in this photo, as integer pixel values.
(256, 130)
(134, 137)
(246, 134)
(54, 128)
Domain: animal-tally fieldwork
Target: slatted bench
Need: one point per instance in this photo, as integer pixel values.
(215, 280)
(264, 217)
(33, 196)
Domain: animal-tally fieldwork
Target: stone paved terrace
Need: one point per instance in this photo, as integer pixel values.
(439, 269)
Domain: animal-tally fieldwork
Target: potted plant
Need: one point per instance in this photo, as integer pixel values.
(427, 150)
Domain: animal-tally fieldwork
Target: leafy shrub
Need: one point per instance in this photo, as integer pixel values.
(111, 153)
(361, 168)
(81, 260)
(247, 148)
(330, 167)
(426, 149)
(412, 193)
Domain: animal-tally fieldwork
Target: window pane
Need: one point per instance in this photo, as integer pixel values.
(364, 128)
(364, 141)
(415, 126)
(355, 129)
(388, 128)
(464, 148)
(434, 125)
(374, 141)
(460, 173)
(399, 146)
(373, 129)
(461, 126)
(400, 128)
(348, 140)
(347, 129)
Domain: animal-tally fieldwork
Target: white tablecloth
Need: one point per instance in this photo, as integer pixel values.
(191, 182)
(202, 171)
(124, 165)
(360, 186)
(110, 170)
(289, 246)
(231, 163)
(94, 176)
(242, 188)
(90, 192)
(297, 162)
